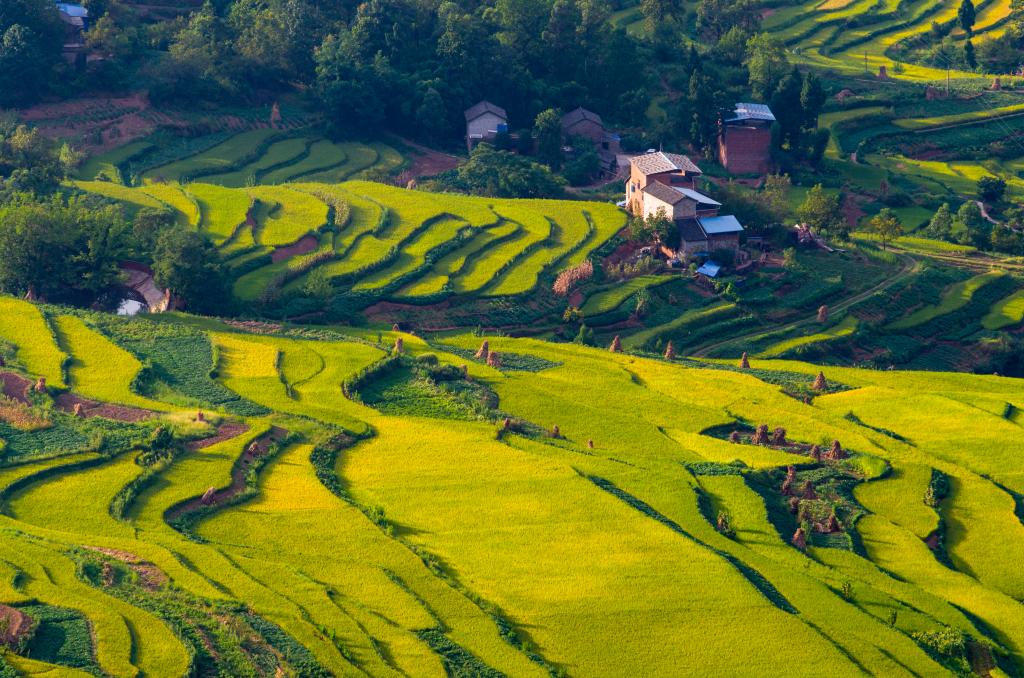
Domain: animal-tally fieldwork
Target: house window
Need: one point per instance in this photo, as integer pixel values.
(604, 145)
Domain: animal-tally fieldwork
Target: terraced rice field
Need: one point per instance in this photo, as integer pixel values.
(843, 328)
(378, 241)
(853, 35)
(956, 297)
(374, 523)
(617, 293)
(260, 156)
(1007, 312)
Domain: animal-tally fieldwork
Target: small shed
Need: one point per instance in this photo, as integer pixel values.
(587, 124)
(484, 121)
(707, 234)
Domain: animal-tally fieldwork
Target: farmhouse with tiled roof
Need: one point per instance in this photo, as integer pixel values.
(587, 124)
(484, 121)
(665, 183)
(670, 169)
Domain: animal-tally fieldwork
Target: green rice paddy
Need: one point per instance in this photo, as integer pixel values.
(373, 543)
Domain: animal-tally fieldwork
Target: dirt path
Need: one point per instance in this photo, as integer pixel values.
(226, 431)
(216, 497)
(910, 266)
(984, 212)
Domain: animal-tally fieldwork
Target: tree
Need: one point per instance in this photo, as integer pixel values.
(187, 264)
(63, 251)
(789, 114)
(969, 56)
(547, 130)
(991, 189)
(966, 15)
(812, 98)
(822, 213)
(352, 94)
(715, 18)
(1006, 239)
(656, 226)
(775, 193)
(432, 115)
(31, 35)
(29, 162)
(585, 165)
(886, 226)
(941, 224)
(505, 175)
(970, 227)
(766, 63)
(817, 144)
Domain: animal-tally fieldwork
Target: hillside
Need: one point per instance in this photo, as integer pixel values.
(373, 242)
(350, 513)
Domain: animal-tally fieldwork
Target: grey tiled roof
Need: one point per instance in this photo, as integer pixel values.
(476, 110)
(656, 163)
(664, 193)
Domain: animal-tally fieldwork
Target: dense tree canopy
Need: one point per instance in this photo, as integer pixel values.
(62, 251)
(30, 42)
(505, 175)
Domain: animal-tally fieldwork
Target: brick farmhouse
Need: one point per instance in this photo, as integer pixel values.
(665, 183)
(745, 140)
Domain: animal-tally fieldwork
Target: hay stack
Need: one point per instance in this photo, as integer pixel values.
(836, 452)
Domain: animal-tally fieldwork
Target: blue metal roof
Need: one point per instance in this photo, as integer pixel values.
(718, 225)
(73, 10)
(710, 269)
(753, 112)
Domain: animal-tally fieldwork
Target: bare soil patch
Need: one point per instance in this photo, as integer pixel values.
(66, 402)
(15, 386)
(304, 245)
(15, 624)
(427, 162)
